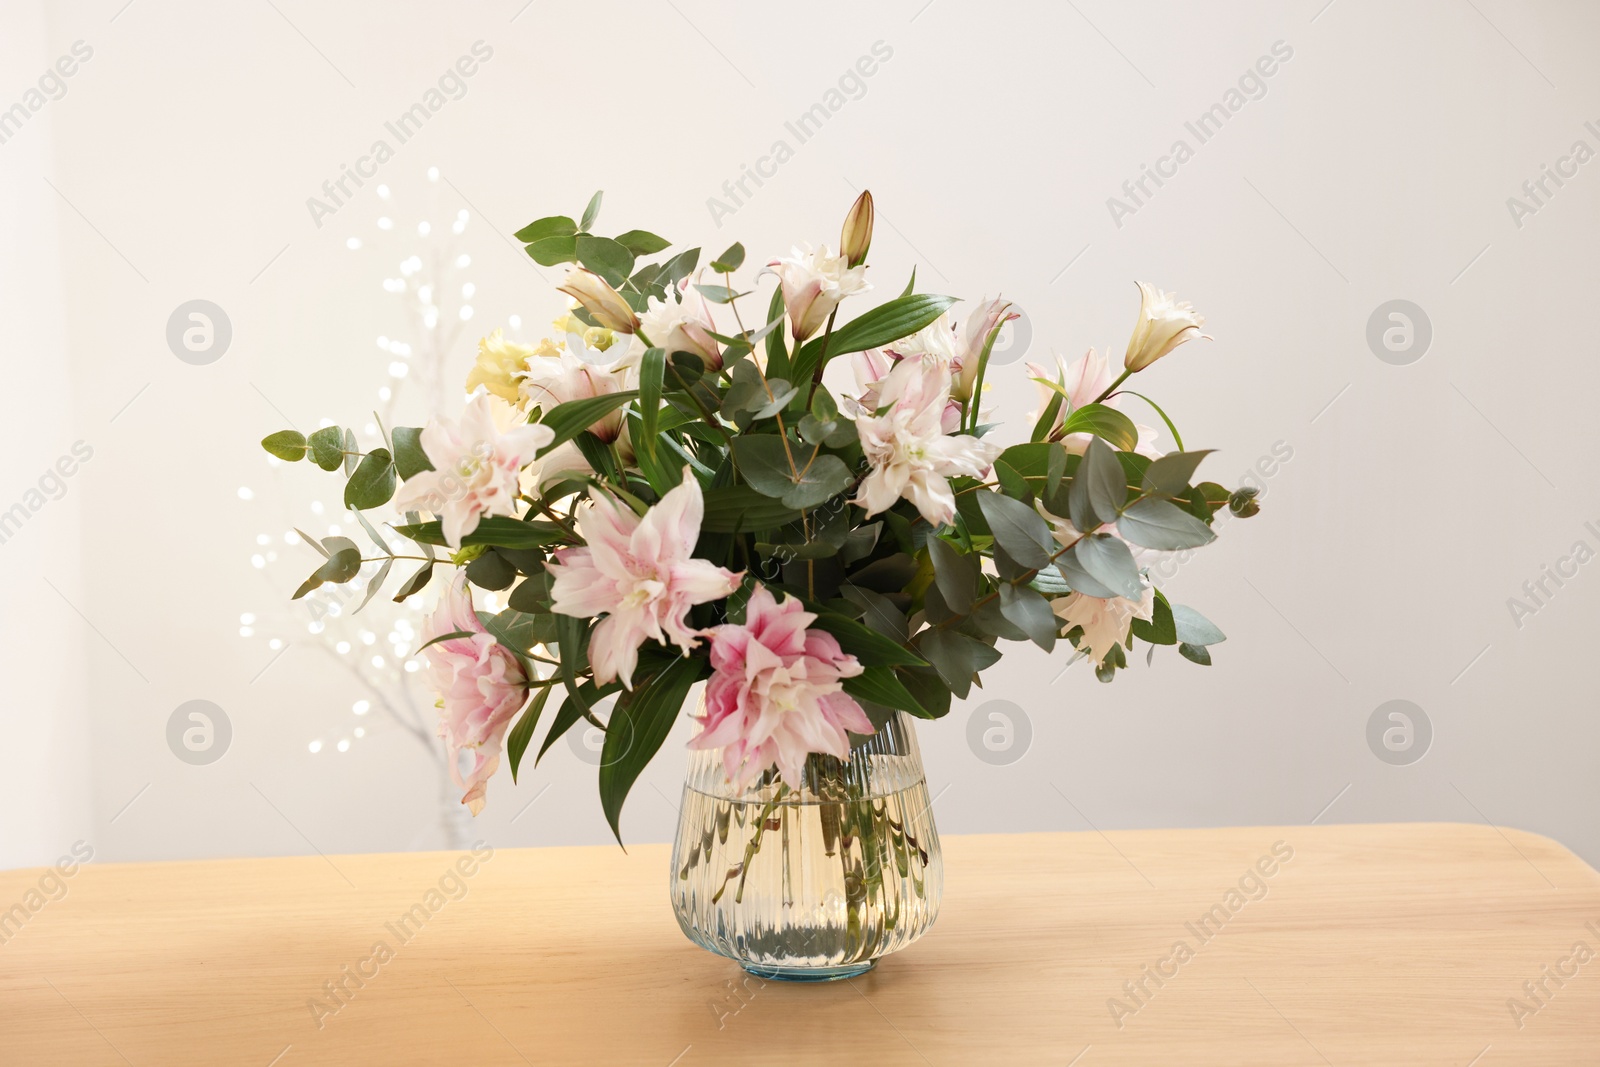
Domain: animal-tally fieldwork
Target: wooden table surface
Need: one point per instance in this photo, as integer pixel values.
(1403, 944)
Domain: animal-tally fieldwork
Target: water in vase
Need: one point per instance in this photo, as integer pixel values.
(814, 881)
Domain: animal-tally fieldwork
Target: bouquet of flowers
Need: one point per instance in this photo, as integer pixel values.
(812, 516)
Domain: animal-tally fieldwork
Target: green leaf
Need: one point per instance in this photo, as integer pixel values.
(777, 354)
(409, 458)
(349, 458)
(1018, 529)
(550, 251)
(1159, 629)
(642, 242)
(1078, 577)
(825, 478)
(900, 317)
(499, 531)
(1055, 470)
(1193, 628)
(1170, 474)
(956, 574)
(1172, 429)
(571, 711)
(1111, 563)
(1012, 483)
(373, 483)
(1195, 653)
(491, 571)
(729, 261)
(343, 563)
(1029, 612)
(376, 583)
(782, 393)
(956, 657)
(573, 653)
(764, 461)
(719, 294)
(870, 647)
(878, 612)
(680, 267)
(414, 584)
(911, 283)
(591, 212)
(287, 445)
(575, 416)
(652, 369)
(553, 226)
(327, 447)
(606, 258)
(1099, 487)
(1105, 422)
(881, 686)
(517, 740)
(638, 726)
(1161, 524)
(451, 636)
(742, 508)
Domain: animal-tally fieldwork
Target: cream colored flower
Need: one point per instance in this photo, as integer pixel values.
(1164, 324)
(1105, 621)
(602, 301)
(500, 363)
(814, 282)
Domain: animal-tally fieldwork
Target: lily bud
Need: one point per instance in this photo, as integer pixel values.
(601, 301)
(1164, 324)
(856, 237)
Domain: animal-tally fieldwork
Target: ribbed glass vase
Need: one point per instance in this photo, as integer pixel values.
(815, 880)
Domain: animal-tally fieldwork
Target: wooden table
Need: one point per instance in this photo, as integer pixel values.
(1344, 945)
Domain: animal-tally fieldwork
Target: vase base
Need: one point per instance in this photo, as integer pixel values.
(810, 974)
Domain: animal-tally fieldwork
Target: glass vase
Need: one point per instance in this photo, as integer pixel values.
(815, 880)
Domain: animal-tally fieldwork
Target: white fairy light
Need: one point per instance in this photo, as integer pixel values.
(342, 647)
(245, 631)
(315, 746)
(386, 223)
(433, 174)
(275, 644)
(353, 243)
(463, 260)
(514, 321)
(466, 312)
(423, 229)
(361, 707)
(247, 619)
(377, 661)
(316, 507)
(245, 493)
(263, 539)
(258, 561)
(343, 745)
(467, 290)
